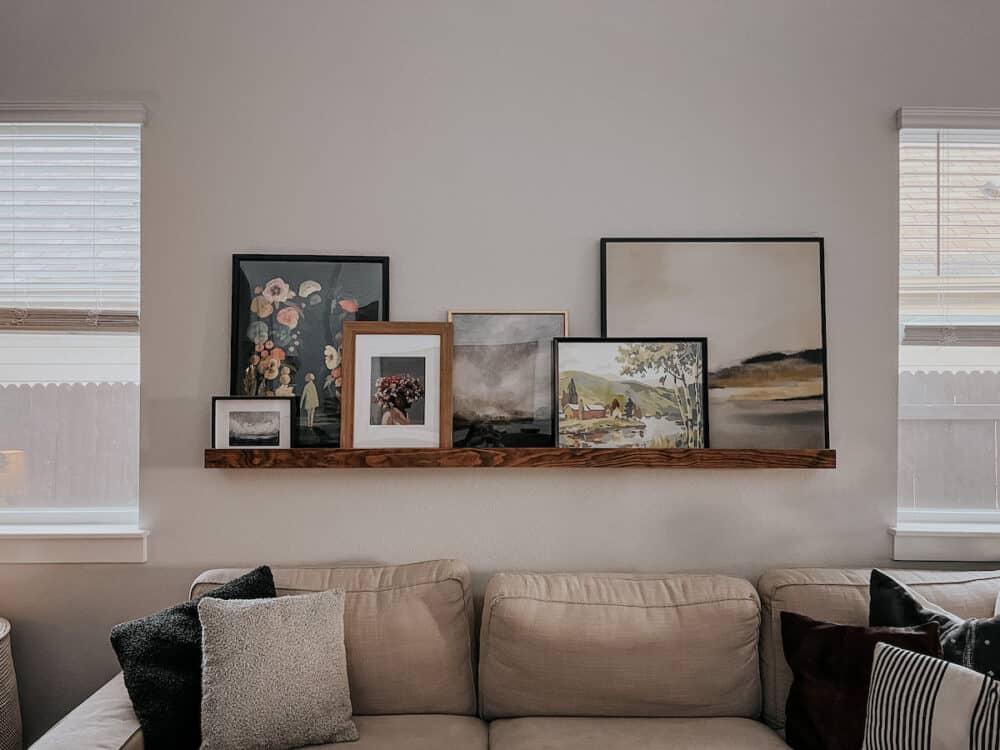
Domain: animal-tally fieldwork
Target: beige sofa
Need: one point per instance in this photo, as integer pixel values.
(568, 661)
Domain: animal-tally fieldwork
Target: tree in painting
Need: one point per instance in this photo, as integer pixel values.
(678, 363)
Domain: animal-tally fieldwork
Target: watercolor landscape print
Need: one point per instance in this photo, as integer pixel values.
(287, 340)
(631, 393)
(760, 304)
(502, 378)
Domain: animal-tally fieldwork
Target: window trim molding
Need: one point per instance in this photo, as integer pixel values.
(127, 516)
(946, 535)
(72, 543)
(73, 111)
(945, 118)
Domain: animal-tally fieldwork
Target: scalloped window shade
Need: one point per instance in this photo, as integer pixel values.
(69, 313)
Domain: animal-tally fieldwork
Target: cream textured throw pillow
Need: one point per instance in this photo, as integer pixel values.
(921, 703)
(274, 673)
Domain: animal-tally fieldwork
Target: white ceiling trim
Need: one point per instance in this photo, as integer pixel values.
(72, 111)
(961, 118)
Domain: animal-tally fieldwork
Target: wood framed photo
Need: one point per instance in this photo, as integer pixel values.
(631, 392)
(287, 318)
(397, 385)
(760, 302)
(502, 375)
(258, 423)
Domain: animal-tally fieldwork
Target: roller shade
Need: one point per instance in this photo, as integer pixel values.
(69, 225)
(949, 183)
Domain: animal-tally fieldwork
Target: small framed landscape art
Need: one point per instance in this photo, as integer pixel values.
(760, 302)
(397, 385)
(503, 377)
(260, 423)
(631, 393)
(287, 320)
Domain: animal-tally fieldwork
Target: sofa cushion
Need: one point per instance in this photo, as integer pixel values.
(631, 734)
(838, 595)
(105, 721)
(408, 631)
(619, 645)
(417, 732)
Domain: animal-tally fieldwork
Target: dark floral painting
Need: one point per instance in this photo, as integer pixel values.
(288, 315)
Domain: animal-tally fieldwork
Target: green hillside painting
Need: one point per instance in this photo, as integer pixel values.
(639, 393)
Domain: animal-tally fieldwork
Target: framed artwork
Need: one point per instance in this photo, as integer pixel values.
(287, 330)
(631, 393)
(397, 385)
(502, 375)
(761, 303)
(261, 423)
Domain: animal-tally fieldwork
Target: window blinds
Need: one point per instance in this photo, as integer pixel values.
(69, 226)
(949, 202)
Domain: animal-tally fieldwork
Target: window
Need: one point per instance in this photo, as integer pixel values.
(69, 315)
(949, 317)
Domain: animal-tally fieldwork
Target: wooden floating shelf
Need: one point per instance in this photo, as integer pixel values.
(518, 458)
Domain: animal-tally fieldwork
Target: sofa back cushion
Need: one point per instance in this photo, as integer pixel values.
(408, 631)
(841, 596)
(619, 645)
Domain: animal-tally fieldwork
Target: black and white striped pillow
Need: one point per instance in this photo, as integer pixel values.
(917, 702)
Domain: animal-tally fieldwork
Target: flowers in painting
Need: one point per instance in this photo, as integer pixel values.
(257, 332)
(288, 316)
(277, 290)
(261, 307)
(350, 305)
(271, 368)
(309, 287)
(332, 357)
(398, 391)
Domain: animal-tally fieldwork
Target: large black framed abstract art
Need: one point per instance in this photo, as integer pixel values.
(761, 304)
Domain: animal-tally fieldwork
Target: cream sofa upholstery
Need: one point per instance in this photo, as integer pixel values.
(569, 662)
(619, 645)
(410, 641)
(841, 596)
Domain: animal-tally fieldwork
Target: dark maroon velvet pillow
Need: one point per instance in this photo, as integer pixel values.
(832, 665)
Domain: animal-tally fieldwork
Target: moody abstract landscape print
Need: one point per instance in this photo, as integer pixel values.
(631, 393)
(760, 304)
(502, 376)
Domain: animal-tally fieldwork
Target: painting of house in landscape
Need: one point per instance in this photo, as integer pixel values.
(759, 303)
(631, 393)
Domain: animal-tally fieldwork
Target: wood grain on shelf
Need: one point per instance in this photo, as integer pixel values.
(513, 458)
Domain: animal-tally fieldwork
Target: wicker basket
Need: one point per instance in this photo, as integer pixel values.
(10, 708)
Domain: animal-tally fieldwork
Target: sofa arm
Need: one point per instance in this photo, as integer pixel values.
(105, 721)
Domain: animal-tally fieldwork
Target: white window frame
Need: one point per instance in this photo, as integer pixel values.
(939, 535)
(77, 535)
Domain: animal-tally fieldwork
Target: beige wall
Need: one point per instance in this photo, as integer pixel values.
(486, 147)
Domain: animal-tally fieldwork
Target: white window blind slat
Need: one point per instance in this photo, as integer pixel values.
(69, 220)
(949, 230)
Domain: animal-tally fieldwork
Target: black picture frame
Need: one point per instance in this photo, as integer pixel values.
(701, 340)
(821, 250)
(464, 432)
(325, 325)
(292, 414)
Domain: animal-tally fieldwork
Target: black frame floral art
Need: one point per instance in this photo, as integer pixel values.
(288, 313)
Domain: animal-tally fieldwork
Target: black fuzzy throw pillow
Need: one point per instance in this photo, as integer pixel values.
(974, 644)
(161, 661)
